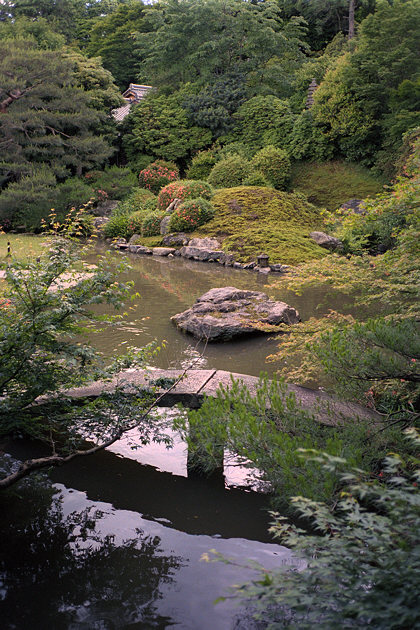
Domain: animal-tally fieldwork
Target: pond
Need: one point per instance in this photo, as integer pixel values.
(114, 541)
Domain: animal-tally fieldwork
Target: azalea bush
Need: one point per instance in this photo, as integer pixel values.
(140, 199)
(157, 175)
(184, 189)
(191, 214)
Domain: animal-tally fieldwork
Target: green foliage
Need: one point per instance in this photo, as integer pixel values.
(201, 165)
(364, 104)
(264, 430)
(140, 200)
(157, 175)
(214, 105)
(111, 38)
(262, 121)
(151, 224)
(384, 216)
(235, 148)
(116, 181)
(199, 41)
(274, 164)
(184, 189)
(252, 220)
(56, 116)
(29, 200)
(159, 127)
(257, 178)
(353, 563)
(330, 184)
(229, 172)
(306, 140)
(191, 214)
(72, 193)
(117, 226)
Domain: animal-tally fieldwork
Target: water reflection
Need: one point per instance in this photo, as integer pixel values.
(60, 571)
(71, 563)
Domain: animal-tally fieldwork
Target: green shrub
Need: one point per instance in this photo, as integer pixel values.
(29, 200)
(184, 189)
(256, 179)
(191, 214)
(201, 165)
(140, 199)
(135, 223)
(151, 224)
(73, 193)
(274, 164)
(117, 226)
(115, 182)
(361, 561)
(229, 172)
(157, 175)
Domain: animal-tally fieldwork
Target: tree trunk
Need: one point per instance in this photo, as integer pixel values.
(351, 19)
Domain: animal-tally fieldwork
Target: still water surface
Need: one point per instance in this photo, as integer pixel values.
(116, 542)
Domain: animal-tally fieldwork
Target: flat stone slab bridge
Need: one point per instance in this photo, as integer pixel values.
(196, 384)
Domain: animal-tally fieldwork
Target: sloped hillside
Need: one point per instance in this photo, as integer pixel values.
(250, 220)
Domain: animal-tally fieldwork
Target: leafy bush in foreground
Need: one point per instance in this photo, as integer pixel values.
(191, 214)
(363, 570)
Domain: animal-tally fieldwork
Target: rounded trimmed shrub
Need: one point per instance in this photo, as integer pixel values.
(151, 224)
(135, 223)
(230, 172)
(256, 179)
(274, 164)
(191, 214)
(201, 165)
(184, 189)
(157, 175)
(117, 226)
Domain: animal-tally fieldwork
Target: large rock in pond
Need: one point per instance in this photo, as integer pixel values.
(224, 313)
(205, 249)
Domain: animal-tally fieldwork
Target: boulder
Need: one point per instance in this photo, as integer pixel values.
(139, 249)
(355, 205)
(324, 240)
(164, 224)
(173, 205)
(172, 240)
(205, 249)
(163, 251)
(134, 239)
(224, 313)
(104, 208)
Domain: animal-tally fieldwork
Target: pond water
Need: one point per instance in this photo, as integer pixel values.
(116, 541)
(170, 286)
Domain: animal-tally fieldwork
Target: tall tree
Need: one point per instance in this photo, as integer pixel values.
(49, 115)
(200, 41)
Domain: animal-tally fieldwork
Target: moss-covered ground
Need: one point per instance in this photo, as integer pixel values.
(330, 184)
(250, 220)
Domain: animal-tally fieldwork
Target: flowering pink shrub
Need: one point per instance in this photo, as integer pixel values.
(151, 224)
(157, 175)
(184, 189)
(191, 214)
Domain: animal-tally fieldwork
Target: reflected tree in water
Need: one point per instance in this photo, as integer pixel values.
(89, 579)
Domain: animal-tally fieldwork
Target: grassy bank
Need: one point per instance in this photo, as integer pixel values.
(330, 184)
(22, 246)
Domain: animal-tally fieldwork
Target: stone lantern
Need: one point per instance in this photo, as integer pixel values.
(262, 260)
